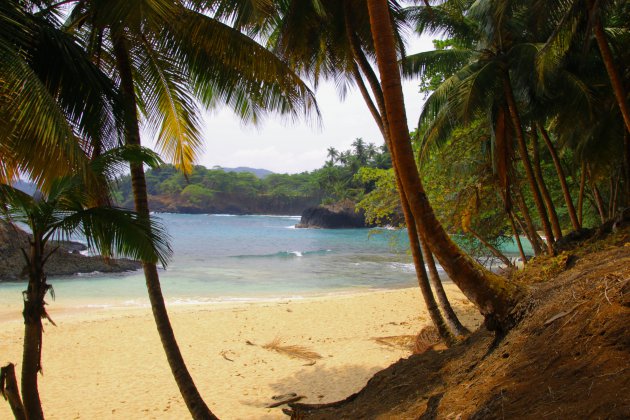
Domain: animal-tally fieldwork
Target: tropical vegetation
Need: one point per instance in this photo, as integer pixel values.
(525, 129)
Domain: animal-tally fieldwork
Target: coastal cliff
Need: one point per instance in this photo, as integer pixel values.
(66, 260)
(338, 216)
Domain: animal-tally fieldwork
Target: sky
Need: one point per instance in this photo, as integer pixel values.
(293, 147)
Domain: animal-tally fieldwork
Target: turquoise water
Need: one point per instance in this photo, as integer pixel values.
(232, 258)
(228, 258)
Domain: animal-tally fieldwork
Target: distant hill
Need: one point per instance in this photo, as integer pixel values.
(260, 173)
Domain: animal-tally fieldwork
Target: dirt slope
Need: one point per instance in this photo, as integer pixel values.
(568, 358)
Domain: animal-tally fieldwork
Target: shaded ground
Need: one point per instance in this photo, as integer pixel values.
(568, 358)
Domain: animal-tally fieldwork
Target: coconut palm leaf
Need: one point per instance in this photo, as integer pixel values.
(228, 67)
(446, 61)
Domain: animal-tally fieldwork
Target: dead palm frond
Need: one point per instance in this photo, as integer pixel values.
(293, 351)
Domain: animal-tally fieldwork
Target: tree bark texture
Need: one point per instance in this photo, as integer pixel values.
(33, 313)
(492, 294)
(196, 405)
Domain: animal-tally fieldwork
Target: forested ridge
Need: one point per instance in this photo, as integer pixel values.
(220, 191)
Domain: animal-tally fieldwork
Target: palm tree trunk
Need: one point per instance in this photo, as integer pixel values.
(609, 63)
(33, 330)
(540, 180)
(599, 203)
(612, 202)
(581, 194)
(517, 238)
(530, 231)
(561, 177)
(381, 121)
(492, 294)
(196, 405)
(423, 281)
(529, 172)
(421, 274)
(436, 282)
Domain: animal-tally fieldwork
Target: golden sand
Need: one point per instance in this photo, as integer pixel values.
(110, 363)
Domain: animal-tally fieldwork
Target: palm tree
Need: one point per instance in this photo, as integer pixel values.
(491, 293)
(336, 50)
(55, 105)
(497, 53)
(570, 18)
(333, 155)
(63, 211)
(163, 54)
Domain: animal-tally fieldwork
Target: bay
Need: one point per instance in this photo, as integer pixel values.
(223, 258)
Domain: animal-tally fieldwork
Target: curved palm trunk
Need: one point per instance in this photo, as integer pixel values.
(540, 180)
(529, 228)
(609, 63)
(580, 202)
(421, 273)
(196, 405)
(423, 282)
(599, 203)
(517, 238)
(492, 294)
(436, 282)
(561, 177)
(33, 313)
(529, 172)
(414, 244)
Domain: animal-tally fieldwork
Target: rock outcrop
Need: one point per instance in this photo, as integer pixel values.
(66, 260)
(338, 216)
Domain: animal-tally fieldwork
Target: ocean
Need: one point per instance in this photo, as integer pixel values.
(226, 258)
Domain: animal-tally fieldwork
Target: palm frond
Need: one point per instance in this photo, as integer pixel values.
(170, 108)
(228, 67)
(446, 61)
(121, 232)
(34, 133)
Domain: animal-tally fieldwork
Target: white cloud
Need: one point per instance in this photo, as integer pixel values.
(295, 147)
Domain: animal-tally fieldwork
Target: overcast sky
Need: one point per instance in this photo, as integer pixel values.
(286, 147)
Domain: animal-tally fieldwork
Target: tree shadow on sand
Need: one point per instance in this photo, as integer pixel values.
(322, 384)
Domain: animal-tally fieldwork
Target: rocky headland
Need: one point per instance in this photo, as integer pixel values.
(342, 215)
(66, 260)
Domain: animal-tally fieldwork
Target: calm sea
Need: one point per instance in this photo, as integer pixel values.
(231, 258)
(223, 258)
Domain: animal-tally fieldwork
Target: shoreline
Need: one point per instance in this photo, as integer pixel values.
(106, 362)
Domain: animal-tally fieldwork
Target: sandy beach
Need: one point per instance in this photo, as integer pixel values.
(110, 364)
